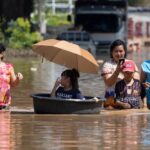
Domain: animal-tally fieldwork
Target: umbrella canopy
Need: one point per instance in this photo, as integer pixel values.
(67, 54)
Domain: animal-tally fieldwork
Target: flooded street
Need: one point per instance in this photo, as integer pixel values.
(22, 130)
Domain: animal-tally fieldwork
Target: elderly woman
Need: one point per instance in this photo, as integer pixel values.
(111, 71)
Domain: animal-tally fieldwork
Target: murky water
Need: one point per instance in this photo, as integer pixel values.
(22, 130)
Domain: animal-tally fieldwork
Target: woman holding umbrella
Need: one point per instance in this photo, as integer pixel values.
(67, 87)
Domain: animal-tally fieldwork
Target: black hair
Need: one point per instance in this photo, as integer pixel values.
(116, 43)
(73, 74)
(2, 47)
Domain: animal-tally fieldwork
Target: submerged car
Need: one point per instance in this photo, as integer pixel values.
(81, 38)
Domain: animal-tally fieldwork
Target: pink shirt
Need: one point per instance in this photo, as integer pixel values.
(5, 77)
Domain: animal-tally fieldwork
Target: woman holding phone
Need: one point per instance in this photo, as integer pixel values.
(111, 70)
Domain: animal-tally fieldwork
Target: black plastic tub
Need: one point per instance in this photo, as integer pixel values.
(44, 104)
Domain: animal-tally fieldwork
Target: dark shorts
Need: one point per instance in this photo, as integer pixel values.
(4, 107)
(109, 94)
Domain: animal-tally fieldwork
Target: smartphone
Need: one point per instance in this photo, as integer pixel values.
(121, 61)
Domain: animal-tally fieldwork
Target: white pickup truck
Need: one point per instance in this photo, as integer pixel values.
(81, 38)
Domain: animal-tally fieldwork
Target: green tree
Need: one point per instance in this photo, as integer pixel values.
(139, 2)
(20, 35)
(12, 9)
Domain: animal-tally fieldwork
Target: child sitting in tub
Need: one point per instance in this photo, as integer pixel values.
(128, 90)
(67, 87)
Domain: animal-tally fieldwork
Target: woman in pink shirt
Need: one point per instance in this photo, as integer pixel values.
(8, 79)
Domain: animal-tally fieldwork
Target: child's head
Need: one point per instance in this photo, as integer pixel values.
(128, 70)
(70, 76)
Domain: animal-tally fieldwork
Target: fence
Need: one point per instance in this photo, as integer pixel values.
(65, 5)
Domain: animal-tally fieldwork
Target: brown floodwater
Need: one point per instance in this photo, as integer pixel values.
(21, 129)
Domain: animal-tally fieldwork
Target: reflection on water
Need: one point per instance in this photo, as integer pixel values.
(22, 131)
(74, 132)
(5, 134)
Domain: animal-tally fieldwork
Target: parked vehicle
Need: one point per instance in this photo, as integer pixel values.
(81, 38)
(105, 20)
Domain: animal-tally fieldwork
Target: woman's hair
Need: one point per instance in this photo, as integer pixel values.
(115, 44)
(2, 47)
(73, 74)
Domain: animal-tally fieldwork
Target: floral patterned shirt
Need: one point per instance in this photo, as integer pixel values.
(5, 77)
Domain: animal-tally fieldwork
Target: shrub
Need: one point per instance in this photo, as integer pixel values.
(2, 36)
(20, 35)
(57, 19)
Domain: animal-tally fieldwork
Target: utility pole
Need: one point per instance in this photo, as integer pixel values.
(70, 6)
(53, 7)
(41, 16)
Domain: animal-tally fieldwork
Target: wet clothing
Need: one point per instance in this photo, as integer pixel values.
(146, 69)
(5, 77)
(109, 67)
(70, 94)
(130, 94)
(4, 107)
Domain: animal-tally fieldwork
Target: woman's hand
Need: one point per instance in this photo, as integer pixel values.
(146, 84)
(19, 76)
(16, 79)
(58, 82)
(111, 78)
(119, 68)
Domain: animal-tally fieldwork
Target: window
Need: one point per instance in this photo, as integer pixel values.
(104, 23)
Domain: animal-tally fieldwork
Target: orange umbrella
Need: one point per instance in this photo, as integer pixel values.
(67, 54)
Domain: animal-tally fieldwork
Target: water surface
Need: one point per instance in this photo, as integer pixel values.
(23, 130)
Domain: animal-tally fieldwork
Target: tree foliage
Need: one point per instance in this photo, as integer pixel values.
(20, 35)
(12, 9)
(139, 2)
